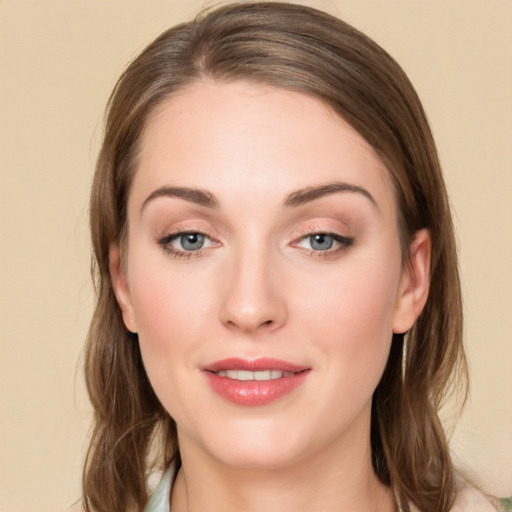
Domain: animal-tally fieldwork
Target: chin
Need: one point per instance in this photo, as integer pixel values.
(256, 444)
(257, 457)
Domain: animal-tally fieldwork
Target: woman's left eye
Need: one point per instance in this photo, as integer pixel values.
(324, 242)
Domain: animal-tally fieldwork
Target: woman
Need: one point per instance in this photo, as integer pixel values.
(279, 313)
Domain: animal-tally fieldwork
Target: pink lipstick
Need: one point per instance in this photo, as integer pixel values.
(254, 382)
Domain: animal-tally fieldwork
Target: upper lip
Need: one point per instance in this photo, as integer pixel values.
(254, 365)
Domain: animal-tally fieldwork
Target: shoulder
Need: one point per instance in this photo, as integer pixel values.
(470, 499)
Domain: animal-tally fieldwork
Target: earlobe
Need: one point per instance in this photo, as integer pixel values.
(414, 283)
(121, 289)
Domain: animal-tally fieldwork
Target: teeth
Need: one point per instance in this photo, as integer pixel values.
(267, 375)
(244, 375)
(248, 375)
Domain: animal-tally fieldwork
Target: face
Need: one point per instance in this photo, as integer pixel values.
(263, 273)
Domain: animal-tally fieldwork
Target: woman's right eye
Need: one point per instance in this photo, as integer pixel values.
(185, 244)
(190, 241)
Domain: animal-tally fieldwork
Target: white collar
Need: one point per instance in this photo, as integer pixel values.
(160, 499)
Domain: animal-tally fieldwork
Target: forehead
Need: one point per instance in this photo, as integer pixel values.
(244, 138)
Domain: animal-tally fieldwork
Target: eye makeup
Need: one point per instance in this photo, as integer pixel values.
(323, 243)
(186, 244)
(322, 231)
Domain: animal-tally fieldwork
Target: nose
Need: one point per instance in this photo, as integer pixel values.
(253, 300)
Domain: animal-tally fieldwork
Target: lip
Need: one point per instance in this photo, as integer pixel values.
(254, 365)
(255, 392)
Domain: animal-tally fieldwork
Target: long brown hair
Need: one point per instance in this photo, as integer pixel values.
(301, 49)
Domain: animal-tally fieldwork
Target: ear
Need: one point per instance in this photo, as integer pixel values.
(120, 286)
(414, 283)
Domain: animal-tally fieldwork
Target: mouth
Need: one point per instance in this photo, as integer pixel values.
(254, 382)
(261, 375)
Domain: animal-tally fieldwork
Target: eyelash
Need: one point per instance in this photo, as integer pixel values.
(343, 242)
(165, 243)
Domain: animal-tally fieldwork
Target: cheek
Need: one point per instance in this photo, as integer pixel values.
(169, 301)
(171, 310)
(350, 315)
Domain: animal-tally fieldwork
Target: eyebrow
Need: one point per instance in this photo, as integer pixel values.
(295, 199)
(308, 194)
(192, 195)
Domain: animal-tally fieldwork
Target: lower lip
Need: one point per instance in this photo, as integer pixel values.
(255, 392)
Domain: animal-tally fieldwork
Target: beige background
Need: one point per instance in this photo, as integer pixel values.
(58, 62)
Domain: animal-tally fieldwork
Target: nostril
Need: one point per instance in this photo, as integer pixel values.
(249, 326)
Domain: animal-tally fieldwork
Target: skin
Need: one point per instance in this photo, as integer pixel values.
(259, 288)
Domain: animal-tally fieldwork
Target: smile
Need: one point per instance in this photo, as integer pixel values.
(259, 375)
(254, 382)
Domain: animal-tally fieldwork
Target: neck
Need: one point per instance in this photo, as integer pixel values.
(336, 480)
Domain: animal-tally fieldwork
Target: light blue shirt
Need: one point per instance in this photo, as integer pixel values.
(159, 501)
